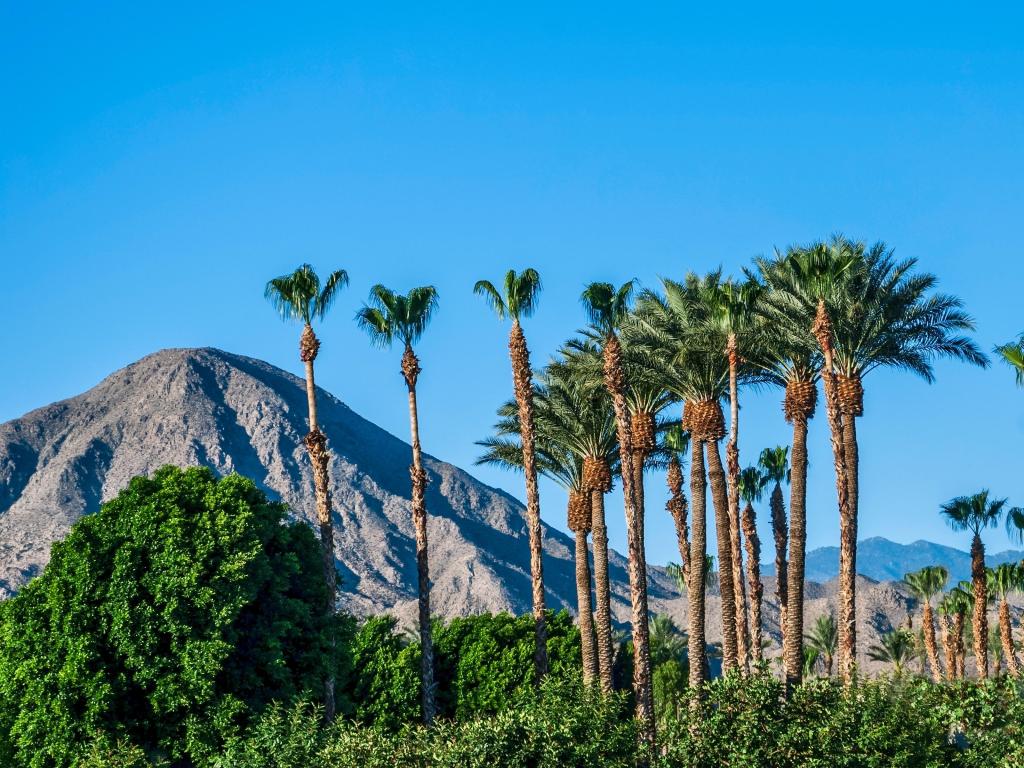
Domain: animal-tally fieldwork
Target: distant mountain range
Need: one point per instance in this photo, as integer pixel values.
(884, 560)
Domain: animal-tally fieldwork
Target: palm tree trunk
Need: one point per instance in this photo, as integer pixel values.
(697, 648)
(716, 479)
(948, 647)
(584, 610)
(958, 642)
(780, 533)
(319, 458)
(411, 370)
(602, 590)
(798, 405)
(979, 620)
(522, 376)
(753, 544)
(677, 508)
(1006, 637)
(931, 649)
(732, 460)
(615, 382)
(847, 523)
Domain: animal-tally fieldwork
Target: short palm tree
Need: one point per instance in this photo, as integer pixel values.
(824, 640)
(752, 483)
(774, 466)
(390, 317)
(926, 584)
(607, 308)
(517, 300)
(811, 659)
(897, 647)
(959, 602)
(974, 514)
(1012, 353)
(300, 296)
(1005, 579)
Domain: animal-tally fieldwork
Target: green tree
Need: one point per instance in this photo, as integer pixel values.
(391, 317)
(167, 618)
(1012, 353)
(823, 639)
(774, 466)
(1005, 579)
(752, 482)
(897, 647)
(517, 300)
(607, 308)
(300, 296)
(926, 583)
(974, 514)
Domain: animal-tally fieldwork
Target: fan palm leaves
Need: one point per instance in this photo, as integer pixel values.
(607, 308)
(390, 317)
(300, 296)
(516, 300)
(823, 639)
(897, 647)
(926, 583)
(1012, 354)
(1005, 579)
(974, 514)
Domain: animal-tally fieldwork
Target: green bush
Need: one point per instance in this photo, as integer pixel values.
(163, 620)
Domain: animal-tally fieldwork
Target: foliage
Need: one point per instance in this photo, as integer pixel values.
(389, 315)
(165, 618)
(299, 296)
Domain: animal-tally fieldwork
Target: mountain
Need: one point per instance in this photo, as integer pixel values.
(884, 560)
(237, 414)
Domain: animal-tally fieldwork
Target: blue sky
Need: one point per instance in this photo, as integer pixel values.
(157, 166)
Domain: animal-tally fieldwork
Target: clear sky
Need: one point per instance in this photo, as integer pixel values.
(157, 166)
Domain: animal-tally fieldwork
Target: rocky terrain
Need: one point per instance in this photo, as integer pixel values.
(237, 414)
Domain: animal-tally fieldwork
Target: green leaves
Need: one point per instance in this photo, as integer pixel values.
(519, 296)
(298, 296)
(389, 315)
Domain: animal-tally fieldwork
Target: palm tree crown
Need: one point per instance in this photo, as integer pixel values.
(1012, 353)
(607, 306)
(299, 296)
(518, 297)
(973, 513)
(389, 315)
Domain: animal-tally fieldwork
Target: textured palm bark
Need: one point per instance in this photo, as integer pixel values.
(979, 619)
(1006, 638)
(948, 647)
(959, 621)
(676, 506)
(822, 330)
(793, 634)
(584, 610)
(411, 371)
(615, 381)
(780, 533)
(732, 463)
(696, 628)
(720, 502)
(319, 458)
(753, 545)
(522, 378)
(930, 646)
(603, 612)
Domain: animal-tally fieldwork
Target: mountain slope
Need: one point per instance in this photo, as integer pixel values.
(233, 413)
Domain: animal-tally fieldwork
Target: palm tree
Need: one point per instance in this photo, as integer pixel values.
(824, 640)
(676, 443)
(947, 611)
(974, 514)
(774, 467)
(670, 326)
(517, 301)
(556, 461)
(731, 314)
(1015, 524)
(811, 659)
(752, 483)
(926, 584)
(1012, 353)
(788, 354)
(388, 317)
(607, 308)
(300, 296)
(959, 602)
(897, 647)
(1006, 578)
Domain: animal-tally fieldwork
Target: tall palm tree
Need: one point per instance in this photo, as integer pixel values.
(1012, 353)
(676, 443)
(974, 514)
(730, 314)
(752, 483)
(556, 460)
(926, 583)
(518, 300)
(897, 647)
(1006, 578)
(391, 316)
(774, 467)
(607, 307)
(670, 325)
(824, 639)
(300, 296)
(788, 354)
